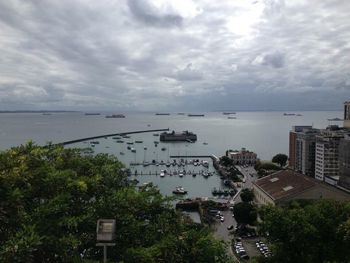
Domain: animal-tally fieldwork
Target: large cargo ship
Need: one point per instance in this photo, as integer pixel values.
(115, 116)
(178, 136)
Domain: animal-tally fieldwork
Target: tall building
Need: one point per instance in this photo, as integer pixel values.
(347, 114)
(344, 162)
(327, 154)
(302, 141)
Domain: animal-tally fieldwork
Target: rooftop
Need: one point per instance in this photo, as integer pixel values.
(284, 183)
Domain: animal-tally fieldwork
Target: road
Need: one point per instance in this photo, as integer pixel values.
(221, 230)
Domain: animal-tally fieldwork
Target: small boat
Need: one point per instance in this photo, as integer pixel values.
(163, 149)
(155, 134)
(205, 143)
(167, 164)
(181, 174)
(121, 153)
(130, 143)
(205, 164)
(145, 148)
(126, 136)
(133, 150)
(145, 163)
(230, 117)
(162, 173)
(129, 148)
(194, 175)
(161, 162)
(94, 142)
(138, 141)
(120, 141)
(179, 190)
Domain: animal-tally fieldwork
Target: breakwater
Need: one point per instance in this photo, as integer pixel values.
(110, 135)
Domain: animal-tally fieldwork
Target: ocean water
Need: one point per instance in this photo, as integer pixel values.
(266, 133)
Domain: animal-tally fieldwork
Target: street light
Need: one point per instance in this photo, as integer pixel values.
(105, 231)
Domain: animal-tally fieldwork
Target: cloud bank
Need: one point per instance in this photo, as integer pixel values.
(174, 55)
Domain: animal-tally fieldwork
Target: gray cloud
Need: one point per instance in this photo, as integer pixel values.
(130, 54)
(145, 12)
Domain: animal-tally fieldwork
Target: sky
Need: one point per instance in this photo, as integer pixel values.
(180, 55)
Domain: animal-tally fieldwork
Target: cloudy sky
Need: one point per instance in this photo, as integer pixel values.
(174, 55)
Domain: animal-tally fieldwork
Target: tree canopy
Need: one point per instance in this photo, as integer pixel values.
(318, 232)
(247, 195)
(226, 161)
(280, 159)
(245, 213)
(51, 199)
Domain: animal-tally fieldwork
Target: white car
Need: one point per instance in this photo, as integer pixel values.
(222, 219)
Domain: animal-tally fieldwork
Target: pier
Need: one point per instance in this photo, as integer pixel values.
(110, 135)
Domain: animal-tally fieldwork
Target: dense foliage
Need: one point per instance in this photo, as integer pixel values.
(51, 198)
(318, 232)
(245, 213)
(280, 159)
(266, 168)
(226, 161)
(247, 195)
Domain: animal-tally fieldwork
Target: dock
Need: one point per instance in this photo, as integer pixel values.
(109, 135)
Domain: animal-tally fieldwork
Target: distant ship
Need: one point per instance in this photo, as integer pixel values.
(231, 117)
(335, 119)
(288, 114)
(92, 113)
(162, 113)
(228, 113)
(195, 115)
(115, 116)
(177, 136)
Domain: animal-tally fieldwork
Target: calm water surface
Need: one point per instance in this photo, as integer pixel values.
(266, 133)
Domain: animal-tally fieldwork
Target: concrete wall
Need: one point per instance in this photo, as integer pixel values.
(261, 198)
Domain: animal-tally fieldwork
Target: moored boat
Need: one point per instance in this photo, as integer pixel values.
(179, 190)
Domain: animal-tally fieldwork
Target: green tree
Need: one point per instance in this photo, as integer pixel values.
(226, 161)
(51, 198)
(247, 195)
(280, 159)
(317, 232)
(245, 213)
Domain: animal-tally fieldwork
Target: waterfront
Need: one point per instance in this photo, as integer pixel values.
(266, 133)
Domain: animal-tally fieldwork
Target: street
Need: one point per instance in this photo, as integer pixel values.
(221, 231)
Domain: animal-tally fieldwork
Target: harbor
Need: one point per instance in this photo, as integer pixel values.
(165, 164)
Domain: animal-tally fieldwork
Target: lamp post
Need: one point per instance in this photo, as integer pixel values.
(105, 231)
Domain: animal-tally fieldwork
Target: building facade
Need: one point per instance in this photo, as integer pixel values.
(242, 157)
(302, 143)
(327, 154)
(344, 162)
(347, 114)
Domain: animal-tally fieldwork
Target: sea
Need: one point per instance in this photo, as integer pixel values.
(266, 133)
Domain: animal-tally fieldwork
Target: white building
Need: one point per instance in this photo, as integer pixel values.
(242, 157)
(327, 154)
